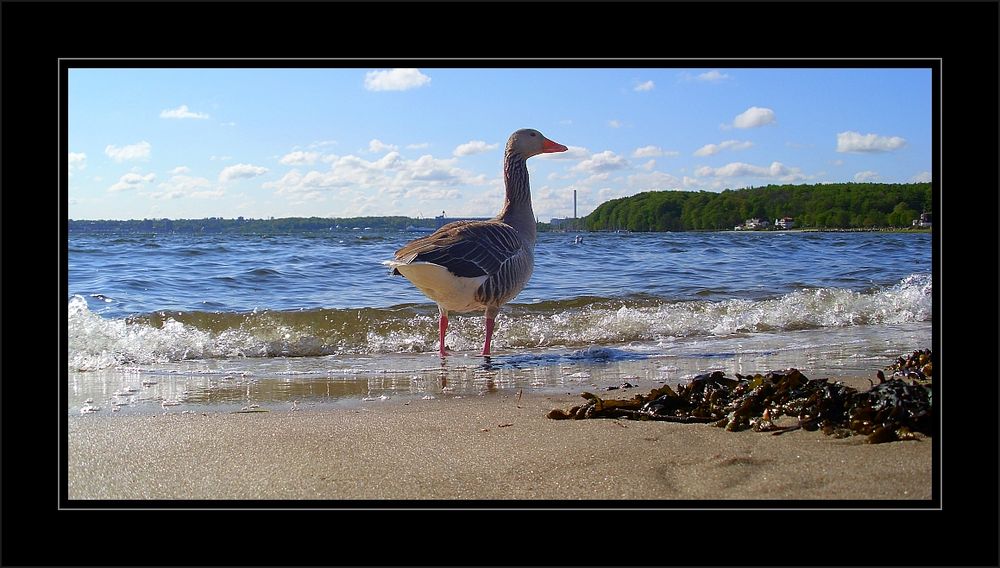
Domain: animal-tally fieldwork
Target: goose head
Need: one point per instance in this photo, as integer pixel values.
(529, 142)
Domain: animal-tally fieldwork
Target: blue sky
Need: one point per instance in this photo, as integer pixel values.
(193, 143)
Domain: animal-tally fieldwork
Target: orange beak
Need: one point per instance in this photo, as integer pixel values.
(549, 147)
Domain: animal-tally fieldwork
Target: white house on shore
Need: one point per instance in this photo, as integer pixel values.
(924, 221)
(753, 224)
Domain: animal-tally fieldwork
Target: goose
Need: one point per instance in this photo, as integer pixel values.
(480, 265)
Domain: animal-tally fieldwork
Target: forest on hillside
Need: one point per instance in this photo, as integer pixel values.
(821, 206)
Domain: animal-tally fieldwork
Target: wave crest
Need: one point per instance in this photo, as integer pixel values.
(96, 342)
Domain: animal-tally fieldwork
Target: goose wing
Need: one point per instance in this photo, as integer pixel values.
(466, 248)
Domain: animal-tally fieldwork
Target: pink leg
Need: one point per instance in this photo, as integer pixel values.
(489, 334)
(442, 328)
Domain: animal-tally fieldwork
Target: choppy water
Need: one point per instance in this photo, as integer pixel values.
(316, 316)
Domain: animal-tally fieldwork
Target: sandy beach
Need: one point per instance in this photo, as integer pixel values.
(491, 447)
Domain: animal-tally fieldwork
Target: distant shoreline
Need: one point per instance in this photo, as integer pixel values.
(846, 230)
(803, 230)
(317, 224)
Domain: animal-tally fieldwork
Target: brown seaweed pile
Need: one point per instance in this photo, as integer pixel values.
(890, 410)
(916, 366)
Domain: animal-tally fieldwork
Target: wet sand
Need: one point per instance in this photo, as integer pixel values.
(492, 447)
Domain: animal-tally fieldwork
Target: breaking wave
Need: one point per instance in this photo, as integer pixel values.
(96, 342)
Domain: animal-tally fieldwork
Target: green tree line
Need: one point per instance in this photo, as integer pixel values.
(822, 206)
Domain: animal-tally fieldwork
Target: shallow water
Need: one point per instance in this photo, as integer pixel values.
(230, 321)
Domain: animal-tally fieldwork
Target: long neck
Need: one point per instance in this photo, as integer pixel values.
(516, 210)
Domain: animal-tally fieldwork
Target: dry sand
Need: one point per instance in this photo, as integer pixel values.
(488, 447)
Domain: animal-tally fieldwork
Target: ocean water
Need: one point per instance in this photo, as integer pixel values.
(180, 323)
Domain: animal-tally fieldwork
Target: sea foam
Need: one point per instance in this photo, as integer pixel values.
(96, 342)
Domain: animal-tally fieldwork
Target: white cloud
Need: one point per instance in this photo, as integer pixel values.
(776, 170)
(571, 153)
(648, 166)
(77, 160)
(851, 141)
(837, 162)
(488, 199)
(866, 175)
(922, 177)
(180, 170)
(180, 186)
(419, 146)
(558, 202)
(595, 178)
(601, 162)
(137, 151)
(615, 123)
(377, 146)
(227, 123)
(360, 182)
(713, 76)
(321, 143)
(473, 147)
(754, 117)
(220, 158)
(299, 158)
(132, 180)
(399, 79)
(426, 192)
(647, 86)
(428, 168)
(609, 193)
(647, 152)
(241, 171)
(182, 112)
(712, 149)
(653, 180)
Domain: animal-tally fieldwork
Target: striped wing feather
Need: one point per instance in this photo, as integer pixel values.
(466, 248)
